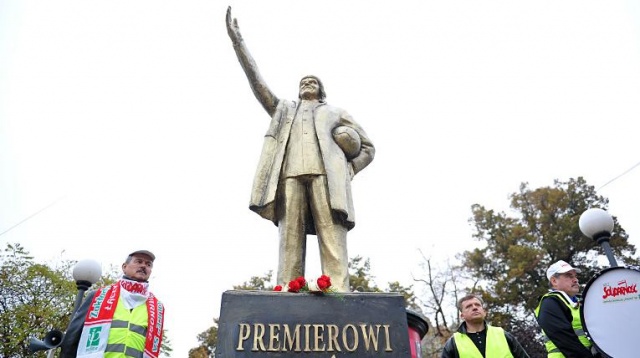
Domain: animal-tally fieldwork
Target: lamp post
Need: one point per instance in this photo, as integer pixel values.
(85, 273)
(597, 224)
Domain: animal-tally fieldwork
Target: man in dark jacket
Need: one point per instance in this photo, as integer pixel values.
(558, 314)
(476, 338)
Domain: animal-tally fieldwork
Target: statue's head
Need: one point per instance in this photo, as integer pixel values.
(311, 88)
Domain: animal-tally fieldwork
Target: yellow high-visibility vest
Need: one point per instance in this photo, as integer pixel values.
(576, 323)
(128, 332)
(496, 345)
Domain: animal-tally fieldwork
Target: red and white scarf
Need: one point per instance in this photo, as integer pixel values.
(95, 333)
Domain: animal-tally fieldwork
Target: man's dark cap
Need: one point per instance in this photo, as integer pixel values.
(144, 252)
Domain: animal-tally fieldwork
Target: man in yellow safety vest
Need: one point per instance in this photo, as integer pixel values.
(121, 320)
(475, 338)
(558, 314)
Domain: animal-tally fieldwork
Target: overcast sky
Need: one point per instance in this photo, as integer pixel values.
(130, 124)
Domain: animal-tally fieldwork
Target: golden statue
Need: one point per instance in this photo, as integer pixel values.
(310, 154)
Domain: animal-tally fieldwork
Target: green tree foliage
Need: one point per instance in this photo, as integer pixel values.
(207, 340)
(510, 265)
(199, 352)
(33, 300)
(360, 278)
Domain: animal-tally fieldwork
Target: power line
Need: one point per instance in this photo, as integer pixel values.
(31, 216)
(616, 178)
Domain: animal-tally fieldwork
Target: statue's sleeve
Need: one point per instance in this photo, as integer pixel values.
(267, 99)
(367, 150)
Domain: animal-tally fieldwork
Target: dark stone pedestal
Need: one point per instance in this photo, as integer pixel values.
(279, 324)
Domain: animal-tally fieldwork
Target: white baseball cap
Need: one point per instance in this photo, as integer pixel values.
(560, 267)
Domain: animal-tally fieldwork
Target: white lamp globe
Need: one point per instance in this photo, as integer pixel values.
(595, 221)
(87, 270)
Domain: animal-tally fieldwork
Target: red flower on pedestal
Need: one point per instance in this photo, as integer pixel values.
(301, 281)
(324, 282)
(297, 284)
(321, 285)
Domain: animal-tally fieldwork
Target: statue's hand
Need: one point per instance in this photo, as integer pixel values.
(232, 28)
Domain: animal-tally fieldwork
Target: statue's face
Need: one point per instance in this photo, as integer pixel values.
(309, 88)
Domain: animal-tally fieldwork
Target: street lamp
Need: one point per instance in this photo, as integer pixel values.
(597, 224)
(85, 273)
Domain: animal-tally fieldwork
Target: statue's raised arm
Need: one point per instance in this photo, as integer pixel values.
(259, 87)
